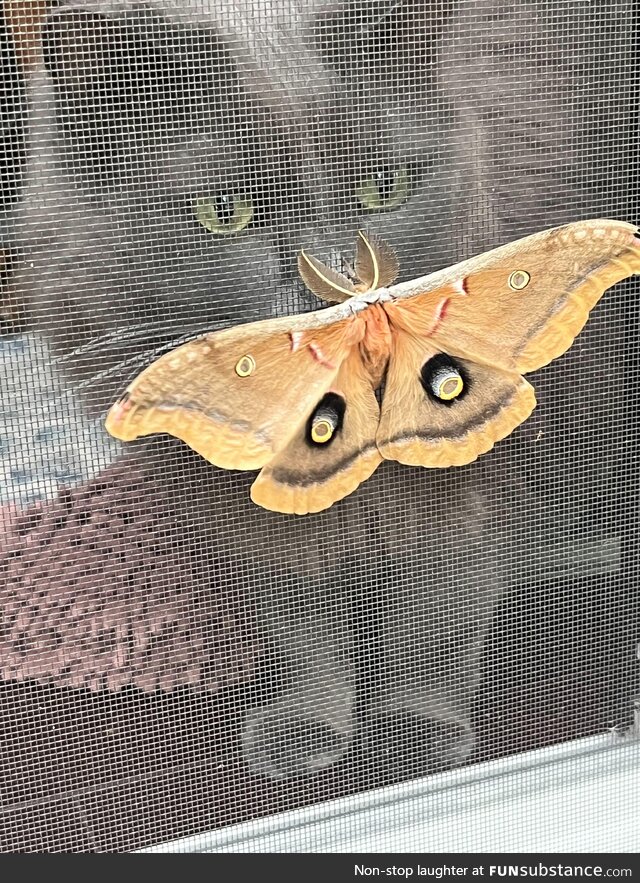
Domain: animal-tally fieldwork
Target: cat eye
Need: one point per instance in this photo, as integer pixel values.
(224, 213)
(386, 189)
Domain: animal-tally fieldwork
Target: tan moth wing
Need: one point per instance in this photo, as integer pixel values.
(304, 477)
(237, 418)
(497, 316)
(419, 429)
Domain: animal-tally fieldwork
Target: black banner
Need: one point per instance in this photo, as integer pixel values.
(343, 868)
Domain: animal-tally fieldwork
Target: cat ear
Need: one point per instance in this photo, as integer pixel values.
(238, 397)
(454, 386)
(331, 453)
(114, 60)
(384, 45)
(80, 49)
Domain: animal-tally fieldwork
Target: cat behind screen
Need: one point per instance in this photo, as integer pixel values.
(181, 155)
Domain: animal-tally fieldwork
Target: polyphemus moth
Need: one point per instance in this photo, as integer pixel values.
(295, 397)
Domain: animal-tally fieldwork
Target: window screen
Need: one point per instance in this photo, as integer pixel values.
(174, 658)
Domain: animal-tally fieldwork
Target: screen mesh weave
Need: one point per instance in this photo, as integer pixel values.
(175, 659)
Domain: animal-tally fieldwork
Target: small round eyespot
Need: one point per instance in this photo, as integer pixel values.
(519, 279)
(245, 366)
(447, 384)
(322, 429)
(325, 422)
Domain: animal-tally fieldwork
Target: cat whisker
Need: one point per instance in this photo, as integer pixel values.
(161, 336)
(119, 337)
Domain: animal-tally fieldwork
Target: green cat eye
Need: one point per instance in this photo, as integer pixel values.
(224, 213)
(385, 190)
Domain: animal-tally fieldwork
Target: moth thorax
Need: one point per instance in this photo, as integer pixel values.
(324, 423)
(447, 383)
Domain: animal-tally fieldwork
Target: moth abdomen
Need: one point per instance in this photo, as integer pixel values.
(444, 379)
(326, 421)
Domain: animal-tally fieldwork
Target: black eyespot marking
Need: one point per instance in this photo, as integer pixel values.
(326, 421)
(444, 379)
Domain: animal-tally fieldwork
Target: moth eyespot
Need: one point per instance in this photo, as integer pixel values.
(443, 379)
(447, 384)
(245, 366)
(326, 421)
(322, 429)
(519, 279)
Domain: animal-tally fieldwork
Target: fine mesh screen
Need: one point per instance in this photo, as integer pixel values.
(175, 659)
